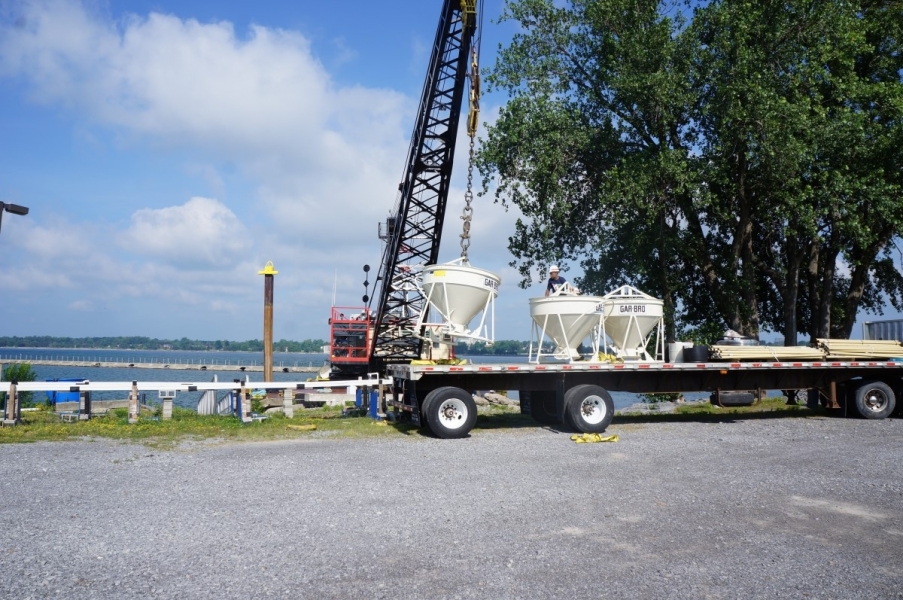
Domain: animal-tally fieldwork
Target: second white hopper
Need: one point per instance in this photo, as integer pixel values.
(566, 320)
(631, 316)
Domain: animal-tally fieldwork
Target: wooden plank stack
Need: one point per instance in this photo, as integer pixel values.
(861, 349)
(767, 353)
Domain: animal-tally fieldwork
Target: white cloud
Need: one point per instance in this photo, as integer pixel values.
(323, 162)
(81, 306)
(262, 101)
(200, 234)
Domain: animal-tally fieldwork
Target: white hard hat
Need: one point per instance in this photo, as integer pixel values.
(553, 269)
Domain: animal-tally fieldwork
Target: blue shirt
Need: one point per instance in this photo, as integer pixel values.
(554, 283)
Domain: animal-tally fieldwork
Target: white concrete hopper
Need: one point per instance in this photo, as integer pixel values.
(459, 292)
(566, 320)
(630, 316)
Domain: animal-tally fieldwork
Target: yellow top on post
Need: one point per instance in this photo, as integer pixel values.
(268, 269)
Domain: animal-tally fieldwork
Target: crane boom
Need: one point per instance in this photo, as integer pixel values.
(414, 229)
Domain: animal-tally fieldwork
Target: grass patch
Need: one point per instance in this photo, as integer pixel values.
(186, 425)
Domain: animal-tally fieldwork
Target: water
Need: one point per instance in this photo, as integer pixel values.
(174, 357)
(211, 359)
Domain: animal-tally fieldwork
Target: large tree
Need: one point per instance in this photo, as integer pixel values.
(743, 164)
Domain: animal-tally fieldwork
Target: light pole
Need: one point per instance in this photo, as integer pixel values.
(12, 208)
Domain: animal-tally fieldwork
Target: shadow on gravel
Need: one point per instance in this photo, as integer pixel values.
(727, 417)
(505, 421)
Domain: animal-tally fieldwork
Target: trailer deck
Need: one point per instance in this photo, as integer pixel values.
(577, 394)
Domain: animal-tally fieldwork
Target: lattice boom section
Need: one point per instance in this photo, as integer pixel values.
(424, 192)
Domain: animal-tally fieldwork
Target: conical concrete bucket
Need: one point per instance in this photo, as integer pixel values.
(566, 319)
(459, 292)
(629, 320)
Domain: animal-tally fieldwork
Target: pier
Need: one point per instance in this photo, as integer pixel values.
(176, 364)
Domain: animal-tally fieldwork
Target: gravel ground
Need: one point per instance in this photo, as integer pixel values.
(758, 508)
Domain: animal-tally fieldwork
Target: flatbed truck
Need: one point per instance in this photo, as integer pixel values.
(577, 395)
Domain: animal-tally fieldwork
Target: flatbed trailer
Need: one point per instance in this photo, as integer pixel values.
(577, 394)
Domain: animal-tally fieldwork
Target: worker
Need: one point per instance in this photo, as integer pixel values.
(555, 281)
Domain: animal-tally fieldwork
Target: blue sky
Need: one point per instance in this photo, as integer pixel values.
(168, 150)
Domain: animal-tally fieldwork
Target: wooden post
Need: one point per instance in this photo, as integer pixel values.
(12, 416)
(84, 406)
(287, 408)
(133, 403)
(245, 403)
(268, 278)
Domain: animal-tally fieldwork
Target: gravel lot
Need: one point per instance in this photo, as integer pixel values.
(758, 508)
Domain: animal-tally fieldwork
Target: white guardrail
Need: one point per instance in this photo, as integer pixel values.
(184, 386)
(167, 390)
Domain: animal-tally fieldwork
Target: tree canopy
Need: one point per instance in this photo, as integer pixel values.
(741, 160)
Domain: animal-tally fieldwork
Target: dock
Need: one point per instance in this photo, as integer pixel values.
(183, 364)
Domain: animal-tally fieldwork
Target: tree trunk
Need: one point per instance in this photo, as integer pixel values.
(812, 281)
(827, 293)
(791, 291)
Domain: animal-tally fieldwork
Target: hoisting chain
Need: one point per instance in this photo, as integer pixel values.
(472, 120)
(467, 217)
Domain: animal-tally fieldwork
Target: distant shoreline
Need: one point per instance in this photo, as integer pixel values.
(144, 349)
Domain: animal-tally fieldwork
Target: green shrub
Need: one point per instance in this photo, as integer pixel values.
(19, 372)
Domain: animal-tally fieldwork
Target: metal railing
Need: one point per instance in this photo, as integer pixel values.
(144, 360)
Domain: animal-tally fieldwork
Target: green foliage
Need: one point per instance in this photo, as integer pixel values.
(706, 334)
(19, 372)
(730, 159)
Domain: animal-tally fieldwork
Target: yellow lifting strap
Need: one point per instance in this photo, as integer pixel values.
(473, 117)
(595, 438)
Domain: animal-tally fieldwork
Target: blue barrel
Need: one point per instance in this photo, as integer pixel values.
(54, 397)
(374, 404)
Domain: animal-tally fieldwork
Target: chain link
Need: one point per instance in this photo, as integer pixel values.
(467, 217)
(472, 120)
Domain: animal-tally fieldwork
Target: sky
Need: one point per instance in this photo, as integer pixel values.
(168, 150)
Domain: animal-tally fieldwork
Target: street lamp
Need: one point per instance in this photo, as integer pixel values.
(13, 208)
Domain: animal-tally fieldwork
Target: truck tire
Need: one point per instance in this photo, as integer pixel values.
(874, 400)
(543, 407)
(449, 412)
(588, 408)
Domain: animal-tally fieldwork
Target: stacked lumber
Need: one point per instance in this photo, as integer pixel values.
(767, 353)
(861, 349)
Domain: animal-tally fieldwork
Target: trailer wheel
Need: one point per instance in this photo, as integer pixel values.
(874, 400)
(542, 407)
(450, 412)
(588, 408)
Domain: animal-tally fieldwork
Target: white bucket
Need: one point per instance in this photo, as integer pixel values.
(676, 351)
(566, 320)
(459, 292)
